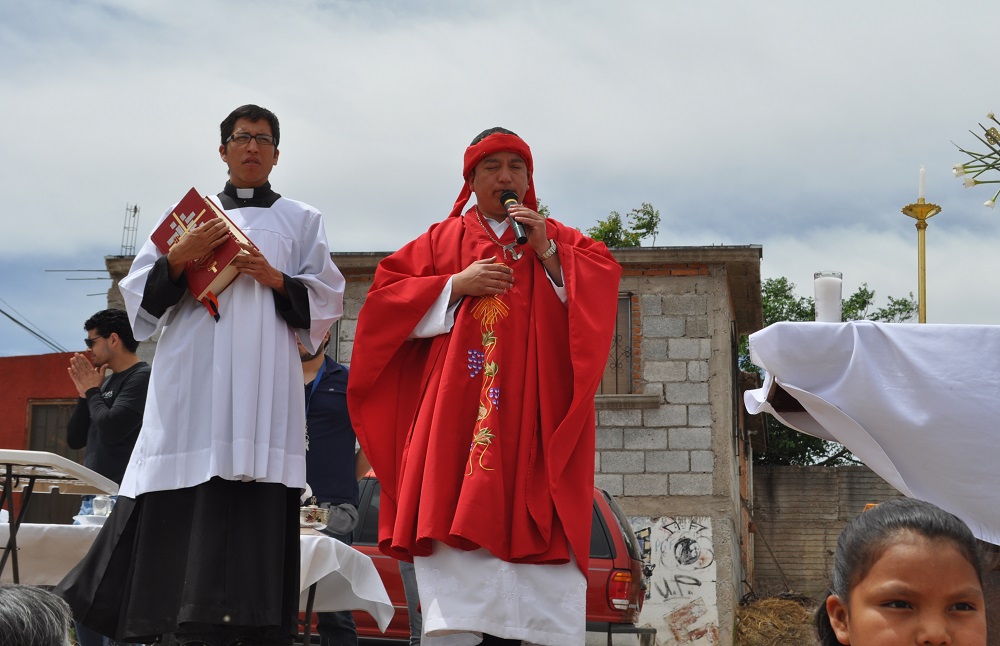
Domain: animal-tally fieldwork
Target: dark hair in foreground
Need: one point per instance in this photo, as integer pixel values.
(253, 113)
(869, 534)
(108, 321)
(32, 616)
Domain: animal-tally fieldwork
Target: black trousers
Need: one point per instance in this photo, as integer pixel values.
(490, 640)
(222, 553)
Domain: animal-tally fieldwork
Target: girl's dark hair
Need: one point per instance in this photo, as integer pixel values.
(867, 536)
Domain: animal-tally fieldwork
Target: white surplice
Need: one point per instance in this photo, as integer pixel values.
(225, 398)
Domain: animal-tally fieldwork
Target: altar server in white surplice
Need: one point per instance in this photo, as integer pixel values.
(203, 544)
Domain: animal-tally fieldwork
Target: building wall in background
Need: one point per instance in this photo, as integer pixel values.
(798, 513)
(29, 378)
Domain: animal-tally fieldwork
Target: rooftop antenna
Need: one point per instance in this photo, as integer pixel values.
(129, 232)
(130, 229)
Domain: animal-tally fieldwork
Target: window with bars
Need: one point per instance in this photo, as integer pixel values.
(617, 379)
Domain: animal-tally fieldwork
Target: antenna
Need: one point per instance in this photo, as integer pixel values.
(130, 229)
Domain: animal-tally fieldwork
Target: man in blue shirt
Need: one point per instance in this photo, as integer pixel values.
(333, 466)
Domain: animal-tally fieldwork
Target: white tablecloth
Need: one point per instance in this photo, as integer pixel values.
(345, 578)
(918, 404)
(45, 553)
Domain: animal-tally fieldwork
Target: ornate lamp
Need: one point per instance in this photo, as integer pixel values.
(921, 212)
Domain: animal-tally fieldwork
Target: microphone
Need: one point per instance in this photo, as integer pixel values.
(509, 199)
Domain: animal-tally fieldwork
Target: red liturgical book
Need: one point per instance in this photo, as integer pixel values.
(208, 276)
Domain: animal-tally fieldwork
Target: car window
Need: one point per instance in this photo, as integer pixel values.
(624, 527)
(367, 531)
(601, 546)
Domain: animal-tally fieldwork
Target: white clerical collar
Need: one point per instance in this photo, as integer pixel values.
(498, 226)
(244, 193)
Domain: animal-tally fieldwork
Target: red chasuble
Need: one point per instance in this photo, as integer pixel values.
(484, 436)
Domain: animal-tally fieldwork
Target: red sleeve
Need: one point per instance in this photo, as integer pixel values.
(388, 368)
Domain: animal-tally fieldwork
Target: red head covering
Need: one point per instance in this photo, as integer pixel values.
(496, 143)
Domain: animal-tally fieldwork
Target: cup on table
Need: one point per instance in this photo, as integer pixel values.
(102, 505)
(829, 296)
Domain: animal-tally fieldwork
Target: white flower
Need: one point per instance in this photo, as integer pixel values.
(989, 203)
(969, 182)
(958, 169)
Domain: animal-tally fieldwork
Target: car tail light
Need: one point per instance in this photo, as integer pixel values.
(619, 589)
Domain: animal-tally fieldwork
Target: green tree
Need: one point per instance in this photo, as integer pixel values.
(780, 303)
(643, 222)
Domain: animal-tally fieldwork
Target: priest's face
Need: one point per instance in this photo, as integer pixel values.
(496, 173)
(249, 164)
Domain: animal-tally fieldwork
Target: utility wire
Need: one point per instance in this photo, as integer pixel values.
(32, 330)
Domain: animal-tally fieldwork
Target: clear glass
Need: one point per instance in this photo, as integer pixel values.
(103, 505)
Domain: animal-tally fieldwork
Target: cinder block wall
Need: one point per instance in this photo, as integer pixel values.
(799, 512)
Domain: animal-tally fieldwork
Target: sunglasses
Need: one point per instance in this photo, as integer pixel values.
(91, 341)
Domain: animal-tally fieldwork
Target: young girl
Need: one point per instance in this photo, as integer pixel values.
(905, 573)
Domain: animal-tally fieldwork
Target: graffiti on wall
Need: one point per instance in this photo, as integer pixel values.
(681, 575)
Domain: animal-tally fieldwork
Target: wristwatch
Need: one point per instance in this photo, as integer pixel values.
(548, 252)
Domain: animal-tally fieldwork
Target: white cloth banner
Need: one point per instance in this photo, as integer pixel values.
(918, 404)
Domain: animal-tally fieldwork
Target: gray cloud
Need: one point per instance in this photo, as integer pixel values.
(787, 124)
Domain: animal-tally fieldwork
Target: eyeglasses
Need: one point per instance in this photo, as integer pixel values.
(91, 341)
(242, 139)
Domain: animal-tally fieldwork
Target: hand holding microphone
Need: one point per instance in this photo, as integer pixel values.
(509, 199)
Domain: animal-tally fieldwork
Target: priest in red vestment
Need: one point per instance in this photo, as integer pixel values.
(476, 361)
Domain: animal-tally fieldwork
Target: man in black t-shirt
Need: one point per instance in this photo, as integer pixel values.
(108, 414)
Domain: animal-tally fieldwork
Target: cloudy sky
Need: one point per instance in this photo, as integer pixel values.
(798, 126)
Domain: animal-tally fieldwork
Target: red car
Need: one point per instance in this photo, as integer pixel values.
(615, 586)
